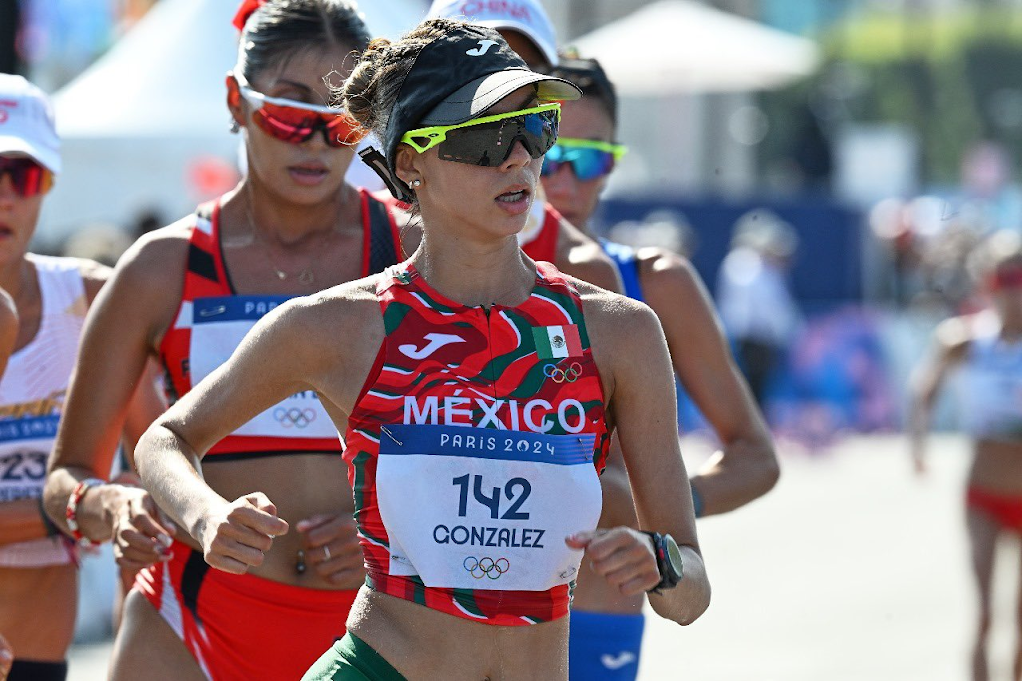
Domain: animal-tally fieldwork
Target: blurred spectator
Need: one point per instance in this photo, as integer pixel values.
(661, 228)
(145, 222)
(989, 201)
(101, 242)
(756, 305)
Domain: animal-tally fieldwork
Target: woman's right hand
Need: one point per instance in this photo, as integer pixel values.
(142, 535)
(236, 536)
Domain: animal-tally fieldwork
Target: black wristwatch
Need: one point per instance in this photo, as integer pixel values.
(668, 561)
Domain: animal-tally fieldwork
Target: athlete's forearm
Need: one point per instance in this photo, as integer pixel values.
(744, 470)
(170, 470)
(20, 521)
(690, 598)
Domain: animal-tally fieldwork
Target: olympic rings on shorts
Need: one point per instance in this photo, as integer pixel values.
(293, 416)
(486, 567)
(560, 375)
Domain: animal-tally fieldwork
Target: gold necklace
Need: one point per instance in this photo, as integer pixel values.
(306, 277)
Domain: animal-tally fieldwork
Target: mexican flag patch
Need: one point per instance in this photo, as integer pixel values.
(555, 342)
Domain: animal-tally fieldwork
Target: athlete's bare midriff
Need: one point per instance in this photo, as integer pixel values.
(40, 627)
(422, 643)
(996, 466)
(301, 486)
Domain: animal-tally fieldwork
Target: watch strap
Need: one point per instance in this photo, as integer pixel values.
(667, 578)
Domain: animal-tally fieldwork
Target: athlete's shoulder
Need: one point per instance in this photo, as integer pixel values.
(152, 268)
(155, 247)
(667, 273)
(334, 310)
(654, 259)
(620, 329)
(346, 316)
(608, 305)
(582, 256)
(352, 295)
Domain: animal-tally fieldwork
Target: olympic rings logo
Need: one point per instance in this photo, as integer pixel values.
(298, 418)
(560, 375)
(486, 567)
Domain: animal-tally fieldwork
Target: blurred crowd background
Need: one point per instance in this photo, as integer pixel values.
(827, 165)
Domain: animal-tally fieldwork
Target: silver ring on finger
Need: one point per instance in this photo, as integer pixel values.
(326, 553)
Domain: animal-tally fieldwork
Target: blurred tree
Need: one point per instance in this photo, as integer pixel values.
(953, 75)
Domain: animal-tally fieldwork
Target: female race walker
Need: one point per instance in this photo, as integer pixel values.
(38, 576)
(187, 294)
(986, 349)
(472, 456)
(528, 31)
(606, 626)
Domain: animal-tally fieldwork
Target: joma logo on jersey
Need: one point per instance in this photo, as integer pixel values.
(434, 341)
(534, 415)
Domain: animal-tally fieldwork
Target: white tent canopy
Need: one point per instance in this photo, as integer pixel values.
(166, 76)
(675, 46)
(135, 124)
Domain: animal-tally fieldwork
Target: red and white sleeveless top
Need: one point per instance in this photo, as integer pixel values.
(32, 400)
(212, 319)
(474, 450)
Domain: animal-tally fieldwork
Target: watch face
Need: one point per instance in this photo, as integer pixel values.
(673, 555)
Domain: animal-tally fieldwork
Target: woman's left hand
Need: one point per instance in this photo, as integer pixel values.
(623, 556)
(332, 549)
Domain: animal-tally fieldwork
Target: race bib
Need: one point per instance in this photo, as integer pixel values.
(218, 327)
(25, 445)
(479, 508)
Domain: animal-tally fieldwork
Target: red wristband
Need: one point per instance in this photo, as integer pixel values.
(71, 512)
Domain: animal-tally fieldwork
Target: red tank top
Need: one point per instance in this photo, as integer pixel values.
(212, 319)
(474, 449)
(543, 246)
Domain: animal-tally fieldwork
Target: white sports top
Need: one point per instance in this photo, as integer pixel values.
(32, 399)
(991, 388)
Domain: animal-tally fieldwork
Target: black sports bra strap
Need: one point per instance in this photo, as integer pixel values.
(383, 252)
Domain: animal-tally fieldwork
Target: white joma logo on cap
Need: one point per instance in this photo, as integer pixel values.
(484, 47)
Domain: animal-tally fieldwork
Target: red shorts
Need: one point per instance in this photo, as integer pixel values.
(1006, 509)
(241, 626)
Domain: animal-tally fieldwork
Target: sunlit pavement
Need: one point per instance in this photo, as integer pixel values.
(852, 569)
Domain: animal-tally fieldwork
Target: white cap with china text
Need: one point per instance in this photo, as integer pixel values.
(525, 16)
(26, 122)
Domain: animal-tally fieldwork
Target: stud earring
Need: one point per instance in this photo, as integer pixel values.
(234, 127)
(416, 183)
